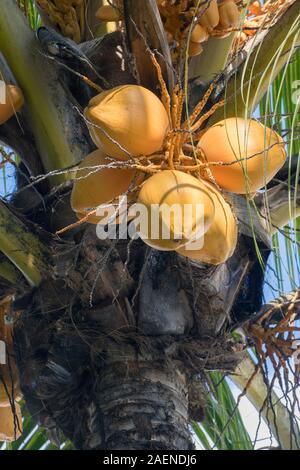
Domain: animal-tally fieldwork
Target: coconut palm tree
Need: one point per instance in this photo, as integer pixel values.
(119, 345)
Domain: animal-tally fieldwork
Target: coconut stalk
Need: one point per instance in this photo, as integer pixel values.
(212, 61)
(254, 76)
(51, 116)
(10, 273)
(280, 208)
(145, 30)
(280, 204)
(277, 417)
(24, 249)
(92, 27)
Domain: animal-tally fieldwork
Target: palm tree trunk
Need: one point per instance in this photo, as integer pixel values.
(144, 406)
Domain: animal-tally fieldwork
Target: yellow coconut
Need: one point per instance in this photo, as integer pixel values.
(195, 48)
(10, 423)
(127, 120)
(199, 34)
(95, 185)
(108, 13)
(210, 18)
(229, 15)
(177, 207)
(115, 213)
(14, 101)
(9, 382)
(219, 242)
(93, 188)
(252, 152)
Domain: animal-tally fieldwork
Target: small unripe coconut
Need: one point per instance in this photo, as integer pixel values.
(93, 188)
(178, 207)
(108, 13)
(221, 238)
(199, 34)
(229, 15)
(252, 152)
(195, 48)
(14, 101)
(127, 120)
(210, 18)
(10, 428)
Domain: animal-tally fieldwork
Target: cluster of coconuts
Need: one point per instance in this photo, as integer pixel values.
(213, 18)
(9, 382)
(14, 101)
(128, 124)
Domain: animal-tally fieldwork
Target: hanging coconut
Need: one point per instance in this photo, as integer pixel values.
(199, 34)
(108, 13)
(229, 14)
(210, 16)
(116, 214)
(195, 48)
(220, 240)
(9, 375)
(178, 207)
(14, 101)
(10, 423)
(95, 187)
(251, 152)
(127, 120)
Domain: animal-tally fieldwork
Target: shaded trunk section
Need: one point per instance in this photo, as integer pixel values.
(144, 406)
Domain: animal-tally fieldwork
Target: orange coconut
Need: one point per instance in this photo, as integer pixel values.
(14, 101)
(102, 187)
(219, 242)
(199, 34)
(210, 17)
(108, 13)
(177, 207)
(115, 213)
(127, 120)
(10, 383)
(252, 152)
(195, 48)
(10, 428)
(229, 15)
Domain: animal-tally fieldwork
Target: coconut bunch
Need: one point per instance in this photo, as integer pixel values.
(126, 123)
(141, 155)
(13, 102)
(213, 18)
(10, 394)
(68, 16)
(259, 16)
